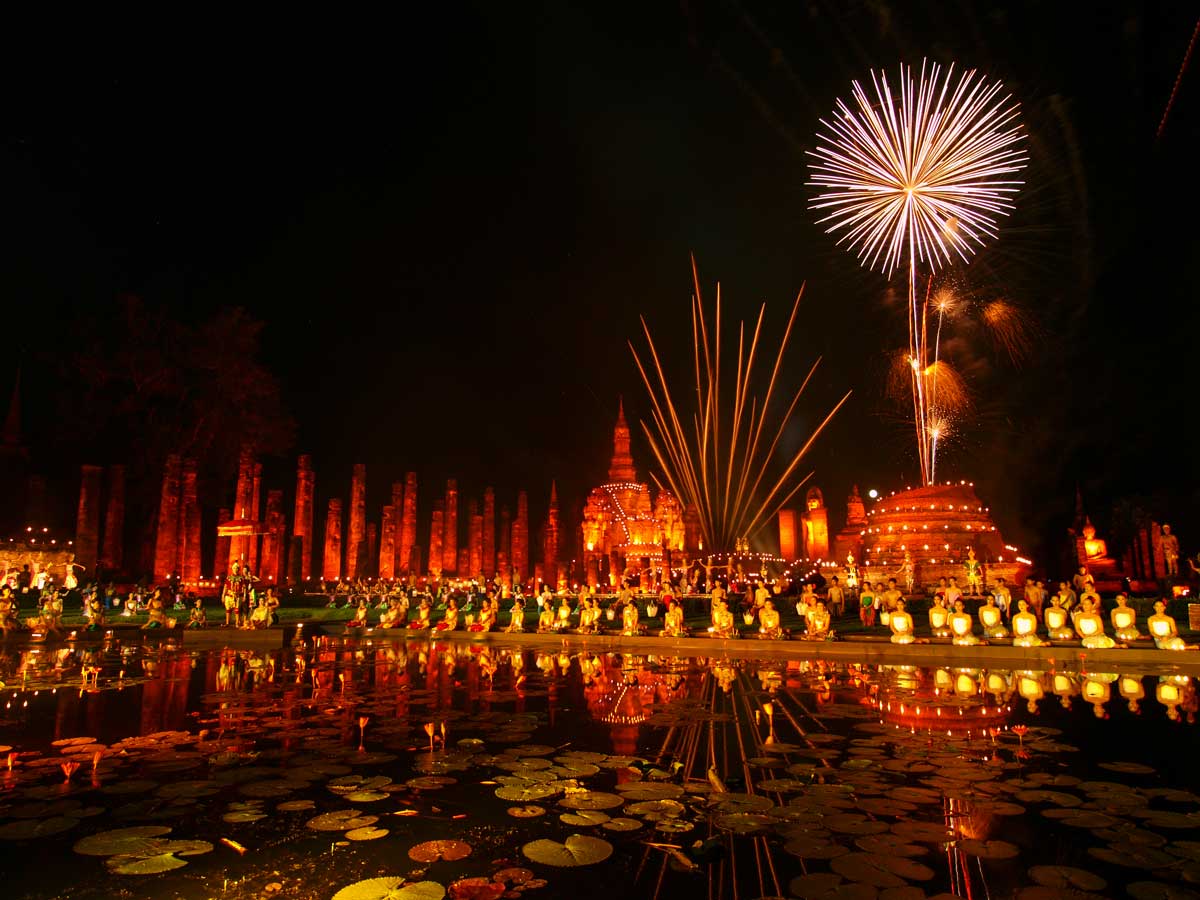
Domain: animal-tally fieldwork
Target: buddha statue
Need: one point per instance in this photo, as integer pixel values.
(1093, 546)
(1124, 619)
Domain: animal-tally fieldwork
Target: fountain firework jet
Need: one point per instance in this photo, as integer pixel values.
(918, 176)
(719, 465)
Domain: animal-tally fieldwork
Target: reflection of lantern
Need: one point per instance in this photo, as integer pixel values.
(1087, 625)
(1161, 628)
(1024, 624)
(989, 616)
(1122, 617)
(960, 624)
(938, 616)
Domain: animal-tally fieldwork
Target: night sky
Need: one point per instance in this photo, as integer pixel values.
(450, 223)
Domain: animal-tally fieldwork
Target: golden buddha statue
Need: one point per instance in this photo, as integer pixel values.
(962, 627)
(939, 617)
(992, 619)
(1090, 627)
(1124, 619)
(1164, 631)
(901, 623)
(1024, 626)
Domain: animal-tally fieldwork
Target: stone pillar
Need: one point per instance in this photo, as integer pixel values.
(787, 534)
(474, 540)
(504, 554)
(188, 564)
(272, 545)
(255, 514)
(408, 526)
(397, 511)
(387, 540)
(368, 566)
(550, 547)
(436, 531)
(356, 539)
(302, 522)
(332, 568)
(520, 539)
(224, 544)
(488, 567)
(450, 528)
(166, 540)
(239, 546)
(112, 557)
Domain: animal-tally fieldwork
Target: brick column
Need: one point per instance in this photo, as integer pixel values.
(332, 568)
(166, 539)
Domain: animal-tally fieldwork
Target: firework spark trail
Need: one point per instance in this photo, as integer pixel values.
(719, 466)
(919, 176)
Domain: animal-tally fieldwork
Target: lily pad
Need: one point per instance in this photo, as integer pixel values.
(367, 833)
(341, 820)
(880, 871)
(1128, 768)
(529, 811)
(576, 850)
(131, 841)
(989, 849)
(584, 818)
(1067, 877)
(431, 851)
(621, 824)
(592, 800)
(523, 793)
(391, 889)
(144, 865)
(26, 829)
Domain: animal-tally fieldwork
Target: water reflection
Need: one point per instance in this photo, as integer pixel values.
(762, 777)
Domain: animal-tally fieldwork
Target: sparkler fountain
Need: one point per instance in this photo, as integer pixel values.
(919, 177)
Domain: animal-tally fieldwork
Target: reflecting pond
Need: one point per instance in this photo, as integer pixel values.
(366, 770)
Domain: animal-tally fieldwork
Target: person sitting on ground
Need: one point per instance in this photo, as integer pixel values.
(1090, 627)
(723, 624)
(1164, 631)
(939, 617)
(421, 622)
(1124, 619)
(991, 617)
(260, 616)
(487, 618)
(130, 607)
(96, 613)
(8, 611)
(673, 622)
(1056, 618)
(629, 620)
(546, 617)
(962, 626)
(1024, 626)
(157, 608)
(769, 626)
(450, 619)
(516, 616)
(901, 623)
(562, 617)
(197, 618)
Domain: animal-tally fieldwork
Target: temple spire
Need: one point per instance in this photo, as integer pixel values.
(621, 469)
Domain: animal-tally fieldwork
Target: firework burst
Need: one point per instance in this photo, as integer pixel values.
(918, 175)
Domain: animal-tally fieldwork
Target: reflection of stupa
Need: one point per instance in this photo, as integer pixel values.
(624, 528)
(623, 699)
(937, 525)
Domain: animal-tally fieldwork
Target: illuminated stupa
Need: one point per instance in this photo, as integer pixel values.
(937, 526)
(627, 527)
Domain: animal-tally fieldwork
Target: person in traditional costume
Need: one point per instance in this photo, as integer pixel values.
(629, 620)
(1024, 627)
(196, 615)
(939, 617)
(421, 622)
(450, 619)
(723, 624)
(1124, 619)
(901, 623)
(1089, 625)
(962, 626)
(516, 615)
(673, 623)
(991, 617)
(1164, 631)
(769, 626)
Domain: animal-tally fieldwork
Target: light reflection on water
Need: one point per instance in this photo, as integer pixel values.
(882, 776)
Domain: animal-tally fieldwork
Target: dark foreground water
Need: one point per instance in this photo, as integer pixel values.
(372, 771)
